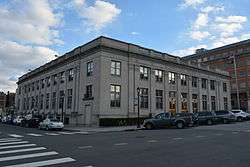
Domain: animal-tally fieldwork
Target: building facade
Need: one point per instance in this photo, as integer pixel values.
(100, 79)
(2, 102)
(223, 58)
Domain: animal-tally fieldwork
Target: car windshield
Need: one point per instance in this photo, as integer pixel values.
(54, 120)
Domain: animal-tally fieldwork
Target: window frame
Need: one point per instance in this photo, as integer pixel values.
(116, 102)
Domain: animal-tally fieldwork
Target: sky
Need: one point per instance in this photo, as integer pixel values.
(32, 32)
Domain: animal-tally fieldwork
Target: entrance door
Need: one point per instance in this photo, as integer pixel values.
(87, 114)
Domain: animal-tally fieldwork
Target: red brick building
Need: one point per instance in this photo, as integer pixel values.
(222, 58)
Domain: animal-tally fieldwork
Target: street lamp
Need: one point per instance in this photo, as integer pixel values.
(62, 102)
(138, 107)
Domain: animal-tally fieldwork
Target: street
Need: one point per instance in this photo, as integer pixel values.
(218, 145)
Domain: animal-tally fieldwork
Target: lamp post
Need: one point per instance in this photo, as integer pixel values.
(62, 102)
(138, 107)
(236, 82)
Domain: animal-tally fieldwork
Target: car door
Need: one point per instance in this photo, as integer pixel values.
(164, 121)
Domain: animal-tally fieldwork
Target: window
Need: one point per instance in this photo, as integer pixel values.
(32, 102)
(61, 99)
(69, 100)
(225, 103)
(115, 95)
(158, 75)
(19, 90)
(33, 86)
(47, 101)
(184, 106)
(25, 89)
(90, 67)
(37, 85)
(183, 80)
(54, 100)
(28, 103)
(144, 72)
(224, 87)
(41, 101)
(213, 103)
(212, 84)
(204, 83)
(62, 77)
(36, 102)
(194, 82)
(115, 68)
(55, 79)
(88, 91)
(71, 74)
(171, 78)
(204, 102)
(159, 99)
(42, 83)
(144, 97)
(172, 102)
(48, 81)
(195, 102)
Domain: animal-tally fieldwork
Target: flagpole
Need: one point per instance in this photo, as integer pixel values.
(236, 81)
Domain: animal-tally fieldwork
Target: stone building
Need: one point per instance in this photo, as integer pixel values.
(222, 58)
(99, 80)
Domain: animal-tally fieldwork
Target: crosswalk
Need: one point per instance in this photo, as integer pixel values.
(15, 152)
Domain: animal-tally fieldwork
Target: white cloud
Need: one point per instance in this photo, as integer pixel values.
(30, 21)
(135, 33)
(99, 15)
(224, 41)
(245, 36)
(188, 51)
(198, 35)
(231, 19)
(192, 3)
(201, 20)
(209, 9)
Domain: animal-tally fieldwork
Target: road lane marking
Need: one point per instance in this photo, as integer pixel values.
(15, 135)
(27, 156)
(85, 147)
(235, 132)
(177, 138)
(34, 134)
(52, 134)
(44, 163)
(22, 150)
(219, 134)
(200, 136)
(66, 133)
(120, 144)
(152, 141)
(10, 140)
(13, 143)
(18, 146)
(81, 132)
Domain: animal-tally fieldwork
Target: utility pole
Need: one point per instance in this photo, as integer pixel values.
(236, 82)
(138, 107)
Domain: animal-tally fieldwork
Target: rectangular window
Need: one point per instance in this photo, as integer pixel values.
(42, 83)
(184, 107)
(69, 100)
(88, 91)
(144, 97)
(62, 77)
(224, 87)
(47, 101)
(195, 102)
(183, 80)
(33, 86)
(204, 83)
(204, 102)
(37, 85)
(29, 87)
(54, 100)
(115, 95)
(172, 102)
(171, 78)
(41, 101)
(225, 103)
(90, 68)
(213, 103)
(61, 99)
(48, 81)
(36, 102)
(32, 102)
(194, 82)
(71, 74)
(115, 68)
(19, 90)
(55, 79)
(25, 89)
(158, 75)
(144, 73)
(159, 99)
(212, 84)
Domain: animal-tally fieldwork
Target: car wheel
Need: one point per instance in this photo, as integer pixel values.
(209, 122)
(149, 126)
(47, 128)
(225, 121)
(239, 119)
(180, 125)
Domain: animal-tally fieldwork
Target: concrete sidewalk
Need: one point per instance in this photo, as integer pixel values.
(101, 129)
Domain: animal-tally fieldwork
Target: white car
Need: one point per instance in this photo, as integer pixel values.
(49, 124)
(240, 115)
(17, 120)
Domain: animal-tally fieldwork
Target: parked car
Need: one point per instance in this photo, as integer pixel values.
(225, 116)
(166, 119)
(241, 115)
(206, 117)
(17, 120)
(49, 124)
(30, 122)
(7, 119)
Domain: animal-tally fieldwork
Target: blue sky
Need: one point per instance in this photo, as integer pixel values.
(32, 32)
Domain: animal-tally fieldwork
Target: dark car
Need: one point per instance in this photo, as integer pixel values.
(206, 117)
(31, 123)
(166, 119)
(225, 116)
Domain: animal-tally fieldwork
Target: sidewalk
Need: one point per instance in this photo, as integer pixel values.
(100, 129)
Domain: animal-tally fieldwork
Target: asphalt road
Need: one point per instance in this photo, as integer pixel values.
(218, 145)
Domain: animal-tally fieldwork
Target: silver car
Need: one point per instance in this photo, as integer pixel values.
(49, 124)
